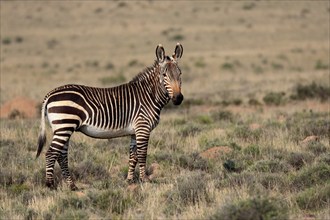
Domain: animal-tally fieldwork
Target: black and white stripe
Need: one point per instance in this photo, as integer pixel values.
(129, 109)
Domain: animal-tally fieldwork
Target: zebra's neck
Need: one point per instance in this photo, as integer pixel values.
(150, 78)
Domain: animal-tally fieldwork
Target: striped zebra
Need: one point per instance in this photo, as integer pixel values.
(129, 109)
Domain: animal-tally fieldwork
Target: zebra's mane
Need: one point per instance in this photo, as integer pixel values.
(146, 73)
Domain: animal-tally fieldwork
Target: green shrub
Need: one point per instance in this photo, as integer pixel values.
(204, 119)
(274, 181)
(253, 208)
(271, 166)
(253, 150)
(310, 176)
(228, 66)
(109, 66)
(245, 133)
(299, 159)
(120, 78)
(274, 98)
(314, 198)
(192, 162)
(254, 102)
(319, 65)
(238, 180)
(90, 169)
(114, 201)
(192, 189)
(311, 91)
(316, 147)
(6, 41)
(200, 63)
(224, 115)
(190, 129)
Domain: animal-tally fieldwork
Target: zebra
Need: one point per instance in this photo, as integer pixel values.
(131, 109)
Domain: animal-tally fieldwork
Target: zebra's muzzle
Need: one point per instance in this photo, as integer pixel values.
(177, 100)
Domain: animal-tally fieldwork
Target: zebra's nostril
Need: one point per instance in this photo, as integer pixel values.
(177, 100)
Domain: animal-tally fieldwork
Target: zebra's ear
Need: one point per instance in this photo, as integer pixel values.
(160, 53)
(178, 51)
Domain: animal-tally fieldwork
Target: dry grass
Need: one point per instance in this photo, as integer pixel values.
(234, 52)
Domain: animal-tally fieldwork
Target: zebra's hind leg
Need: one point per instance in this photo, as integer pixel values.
(52, 155)
(132, 160)
(63, 162)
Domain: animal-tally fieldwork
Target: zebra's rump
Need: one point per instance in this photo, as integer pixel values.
(96, 132)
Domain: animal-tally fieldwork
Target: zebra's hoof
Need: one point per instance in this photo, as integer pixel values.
(50, 184)
(130, 181)
(73, 187)
(145, 179)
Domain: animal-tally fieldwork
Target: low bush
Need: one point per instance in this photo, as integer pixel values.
(274, 98)
(299, 159)
(303, 92)
(246, 134)
(270, 166)
(274, 181)
(317, 148)
(113, 201)
(253, 208)
(309, 176)
(314, 198)
(192, 189)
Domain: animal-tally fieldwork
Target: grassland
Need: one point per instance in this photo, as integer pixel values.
(255, 81)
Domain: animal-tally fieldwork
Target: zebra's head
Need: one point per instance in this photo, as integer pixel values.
(170, 73)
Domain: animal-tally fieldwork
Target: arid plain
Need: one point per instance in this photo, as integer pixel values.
(255, 76)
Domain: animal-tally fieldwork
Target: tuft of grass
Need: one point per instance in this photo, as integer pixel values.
(245, 133)
(200, 63)
(319, 65)
(270, 166)
(204, 119)
(110, 200)
(192, 162)
(253, 208)
(314, 198)
(120, 78)
(191, 190)
(228, 66)
(310, 176)
(224, 115)
(299, 159)
(249, 6)
(274, 98)
(177, 37)
(254, 102)
(109, 66)
(6, 41)
(317, 148)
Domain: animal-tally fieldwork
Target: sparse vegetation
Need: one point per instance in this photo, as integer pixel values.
(236, 148)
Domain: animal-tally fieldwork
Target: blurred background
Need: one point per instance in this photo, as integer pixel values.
(232, 50)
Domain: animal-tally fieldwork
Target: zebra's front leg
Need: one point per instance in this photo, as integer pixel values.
(63, 162)
(142, 139)
(132, 160)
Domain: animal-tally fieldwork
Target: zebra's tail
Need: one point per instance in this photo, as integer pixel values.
(42, 132)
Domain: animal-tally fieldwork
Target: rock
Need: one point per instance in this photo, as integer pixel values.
(312, 138)
(19, 107)
(215, 152)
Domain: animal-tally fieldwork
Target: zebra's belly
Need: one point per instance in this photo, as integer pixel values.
(106, 133)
